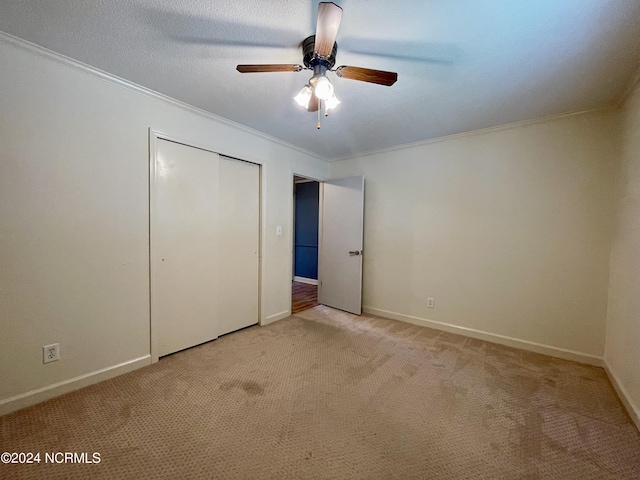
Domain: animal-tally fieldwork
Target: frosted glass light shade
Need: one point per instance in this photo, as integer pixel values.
(332, 102)
(323, 88)
(303, 97)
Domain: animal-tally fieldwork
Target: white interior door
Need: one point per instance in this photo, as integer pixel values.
(340, 256)
(204, 217)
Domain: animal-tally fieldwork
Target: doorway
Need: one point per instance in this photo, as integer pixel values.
(336, 216)
(306, 208)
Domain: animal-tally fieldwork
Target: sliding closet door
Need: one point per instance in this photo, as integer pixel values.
(204, 215)
(238, 236)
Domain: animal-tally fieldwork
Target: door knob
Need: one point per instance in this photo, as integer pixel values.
(355, 252)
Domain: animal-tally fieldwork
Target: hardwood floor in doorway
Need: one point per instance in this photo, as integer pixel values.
(303, 296)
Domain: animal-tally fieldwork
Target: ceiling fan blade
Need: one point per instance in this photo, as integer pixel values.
(367, 75)
(329, 16)
(269, 67)
(314, 104)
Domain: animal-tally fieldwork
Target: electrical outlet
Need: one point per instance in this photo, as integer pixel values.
(430, 302)
(51, 353)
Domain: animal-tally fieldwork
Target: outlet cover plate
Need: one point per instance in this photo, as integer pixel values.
(51, 353)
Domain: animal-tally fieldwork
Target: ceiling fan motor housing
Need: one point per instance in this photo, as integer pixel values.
(311, 60)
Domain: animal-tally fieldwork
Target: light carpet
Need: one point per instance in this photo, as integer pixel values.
(328, 395)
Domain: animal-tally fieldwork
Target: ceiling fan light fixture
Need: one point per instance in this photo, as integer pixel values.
(332, 102)
(303, 97)
(322, 88)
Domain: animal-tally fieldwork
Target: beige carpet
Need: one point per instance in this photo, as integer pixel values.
(325, 394)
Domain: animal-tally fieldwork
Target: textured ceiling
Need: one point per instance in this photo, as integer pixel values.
(462, 64)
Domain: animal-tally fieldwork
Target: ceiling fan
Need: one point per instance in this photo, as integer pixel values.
(319, 54)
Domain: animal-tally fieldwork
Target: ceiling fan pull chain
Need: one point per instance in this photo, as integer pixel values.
(318, 125)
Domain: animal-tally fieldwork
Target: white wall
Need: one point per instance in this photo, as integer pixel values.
(74, 268)
(508, 229)
(622, 352)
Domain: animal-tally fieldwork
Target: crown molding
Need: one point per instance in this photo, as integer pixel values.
(498, 128)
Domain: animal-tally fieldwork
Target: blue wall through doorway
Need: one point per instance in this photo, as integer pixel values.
(306, 230)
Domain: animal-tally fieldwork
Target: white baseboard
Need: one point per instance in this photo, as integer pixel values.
(275, 317)
(550, 350)
(632, 410)
(38, 395)
(309, 281)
